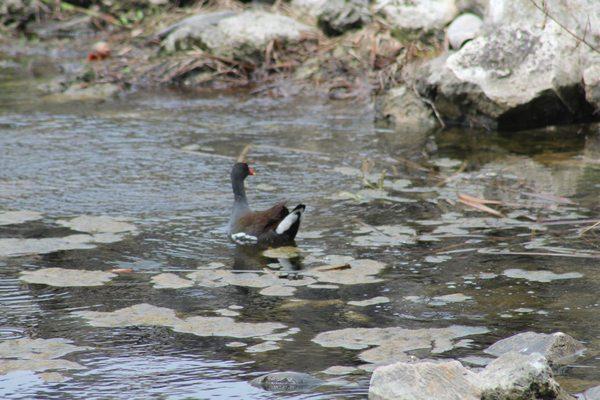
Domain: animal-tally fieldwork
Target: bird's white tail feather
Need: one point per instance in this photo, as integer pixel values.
(288, 222)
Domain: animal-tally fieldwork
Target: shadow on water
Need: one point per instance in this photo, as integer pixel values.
(160, 161)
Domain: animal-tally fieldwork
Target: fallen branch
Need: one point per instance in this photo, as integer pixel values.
(589, 228)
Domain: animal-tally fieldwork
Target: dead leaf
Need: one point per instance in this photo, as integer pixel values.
(121, 270)
(473, 199)
(481, 207)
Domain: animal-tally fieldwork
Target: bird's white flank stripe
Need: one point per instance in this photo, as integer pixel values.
(243, 238)
(287, 222)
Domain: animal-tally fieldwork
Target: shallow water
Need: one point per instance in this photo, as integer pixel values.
(131, 158)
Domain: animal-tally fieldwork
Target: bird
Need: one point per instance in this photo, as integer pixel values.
(275, 226)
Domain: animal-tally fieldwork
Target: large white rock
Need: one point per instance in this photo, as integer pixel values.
(425, 15)
(424, 381)
(513, 376)
(233, 35)
(525, 70)
(464, 28)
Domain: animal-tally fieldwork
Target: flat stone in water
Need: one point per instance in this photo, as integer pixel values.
(351, 272)
(393, 344)
(384, 235)
(263, 347)
(540, 275)
(18, 217)
(278, 290)
(437, 259)
(439, 300)
(323, 286)
(282, 252)
(38, 349)
(370, 302)
(339, 370)
(61, 277)
(37, 355)
(170, 281)
(217, 278)
(286, 381)
(149, 315)
(98, 224)
(227, 313)
(15, 247)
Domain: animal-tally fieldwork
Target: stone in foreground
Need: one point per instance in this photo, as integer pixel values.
(512, 376)
(424, 381)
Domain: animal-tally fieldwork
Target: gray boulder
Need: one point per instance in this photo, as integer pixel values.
(591, 394)
(286, 381)
(85, 92)
(243, 35)
(512, 376)
(558, 348)
(189, 31)
(417, 15)
(523, 71)
(464, 28)
(339, 16)
(407, 112)
(519, 376)
(424, 381)
(335, 17)
(591, 81)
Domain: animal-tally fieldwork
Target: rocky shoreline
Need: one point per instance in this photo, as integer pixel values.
(495, 64)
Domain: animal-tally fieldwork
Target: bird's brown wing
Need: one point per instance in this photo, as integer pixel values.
(260, 222)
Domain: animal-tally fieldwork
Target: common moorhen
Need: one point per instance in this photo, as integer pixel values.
(277, 225)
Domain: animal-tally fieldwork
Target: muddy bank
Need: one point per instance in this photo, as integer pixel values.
(488, 64)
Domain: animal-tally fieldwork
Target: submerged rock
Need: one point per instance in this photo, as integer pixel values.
(98, 224)
(370, 302)
(407, 112)
(558, 348)
(243, 35)
(62, 277)
(421, 15)
(286, 381)
(78, 92)
(37, 355)
(149, 315)
(393, 344)
(540, 275)
(512, 376)
(464, 28)
(18, 217)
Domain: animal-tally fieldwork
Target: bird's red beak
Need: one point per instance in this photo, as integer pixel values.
(251, 170)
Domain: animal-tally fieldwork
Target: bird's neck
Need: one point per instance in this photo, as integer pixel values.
(239, 192)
